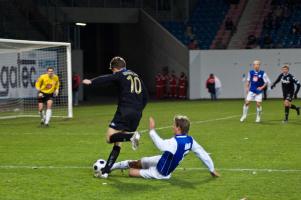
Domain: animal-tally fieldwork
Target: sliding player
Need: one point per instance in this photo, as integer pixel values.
(257, 80)
(132, 100)
(48, 87)
(288, 82)
(174, 150)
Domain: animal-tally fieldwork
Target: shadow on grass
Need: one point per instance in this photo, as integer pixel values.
(189, 184)
(138, 185)
(279, 122)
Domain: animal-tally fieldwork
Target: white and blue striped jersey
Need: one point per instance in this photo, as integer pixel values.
(174, 150)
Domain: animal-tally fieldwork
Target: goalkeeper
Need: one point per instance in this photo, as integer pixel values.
(48, 87)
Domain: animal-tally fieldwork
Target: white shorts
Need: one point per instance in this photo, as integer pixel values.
(254, 97)
(149, 169)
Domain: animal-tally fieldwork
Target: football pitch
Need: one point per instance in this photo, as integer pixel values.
(256, 161)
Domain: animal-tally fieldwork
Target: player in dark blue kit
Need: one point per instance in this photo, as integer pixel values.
(132, 99)
(288, 82)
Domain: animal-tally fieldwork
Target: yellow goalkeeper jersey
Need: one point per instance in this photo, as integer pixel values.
(46, 84)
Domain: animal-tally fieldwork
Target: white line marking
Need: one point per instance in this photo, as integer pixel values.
(198, 122)
(179, 168)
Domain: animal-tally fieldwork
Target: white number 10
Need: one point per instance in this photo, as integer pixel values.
(135, 84)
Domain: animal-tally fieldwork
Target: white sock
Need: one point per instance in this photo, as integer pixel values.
(48, 115)
(245, 110)
(121, 165)
(258, 111)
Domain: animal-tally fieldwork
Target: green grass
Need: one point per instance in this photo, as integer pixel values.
(80, 141)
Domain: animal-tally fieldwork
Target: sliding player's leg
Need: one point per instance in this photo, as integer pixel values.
(146, 168)
(126, 164)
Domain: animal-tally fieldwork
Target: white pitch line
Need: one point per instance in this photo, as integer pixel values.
(179, 168)
(197, 122)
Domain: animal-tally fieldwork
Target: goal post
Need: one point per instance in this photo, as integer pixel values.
(21, 63)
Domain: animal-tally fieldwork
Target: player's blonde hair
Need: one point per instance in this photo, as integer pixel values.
(182, 122)
(256, 62)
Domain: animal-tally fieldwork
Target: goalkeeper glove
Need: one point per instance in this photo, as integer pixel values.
(56, 93)
(41, 95)
(272, 87)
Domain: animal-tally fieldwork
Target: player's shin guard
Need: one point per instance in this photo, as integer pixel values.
(111, 160)
(121, 137)
(48, 116)
(286, 112)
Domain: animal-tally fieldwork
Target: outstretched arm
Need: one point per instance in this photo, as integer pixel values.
(204, 157)
(161, 144)
(277, 81)
(109, 78)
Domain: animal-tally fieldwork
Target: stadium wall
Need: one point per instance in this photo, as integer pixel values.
(148, 47)
(161, 49)
(231, 65)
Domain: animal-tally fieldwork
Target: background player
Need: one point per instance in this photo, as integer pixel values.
(174, 150)
(288, 82)
(132, 100)
(256, 81)
(48, 86)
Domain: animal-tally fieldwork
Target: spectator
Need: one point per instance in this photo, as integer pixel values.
(252, 40)
(220, 45)
(295, 29)
(173, 85)
(159, 86)
(229, 24)
(189, 33)
(165, 81)
(210, 85)
(193, 45)
(182, 86)
(75, 88)
(267, 41)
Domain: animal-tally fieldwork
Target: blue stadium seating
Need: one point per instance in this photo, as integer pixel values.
(205, 20)
(283, 37)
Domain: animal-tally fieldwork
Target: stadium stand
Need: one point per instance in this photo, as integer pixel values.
(205, 21)
(224, 33)
(281, 27)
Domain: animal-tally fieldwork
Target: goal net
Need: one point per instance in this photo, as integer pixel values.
(21, 63)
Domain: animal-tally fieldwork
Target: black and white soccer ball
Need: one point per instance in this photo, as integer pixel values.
(98, 165)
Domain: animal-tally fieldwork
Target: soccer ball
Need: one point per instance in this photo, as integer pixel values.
(98, 165)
